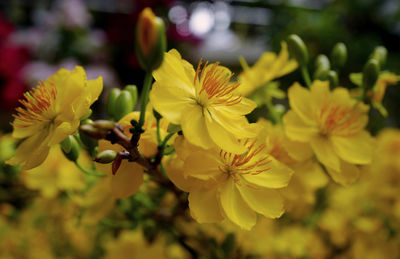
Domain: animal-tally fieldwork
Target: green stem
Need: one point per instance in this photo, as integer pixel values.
(88, 172)
(158, 132)
(274, 114)
(166, 139)
(306, 75)
(144, 98)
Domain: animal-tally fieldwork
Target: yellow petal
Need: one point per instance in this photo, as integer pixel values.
(70, 89)
(194, 127)
(311, 173)
(297, 129)
(62, 131)
(320, 94)
(127, 180)
(203, 165)
(299, 151)
(236, 125)
(32, 151)
(325, 152)
(348, 173)
(235, 207)
(224, 139)
(23, 132)
(355, 149)
(244, 107)
(300, 102)
(174, 72)
(278, 176)
(204, 205)
(168, 104)
(263, 200)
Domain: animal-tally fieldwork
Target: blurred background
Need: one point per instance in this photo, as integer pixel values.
(38, 37)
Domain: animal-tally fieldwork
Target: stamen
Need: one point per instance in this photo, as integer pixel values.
(36, 102)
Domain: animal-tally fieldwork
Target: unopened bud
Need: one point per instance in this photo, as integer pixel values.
(106, 156)
(370, 74)
(322, 61)
(87, 141)
(104, 124)
(150, 41)
(134, 93)
(298, 49)
(380, 54)
(70, 148)
(333, 79)
(339, 55)
(111, 101)
(124, 104)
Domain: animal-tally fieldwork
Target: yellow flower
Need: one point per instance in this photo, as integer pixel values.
(129, 176)
(308, 175)
(52, 112)
(267, 68)
(333, 123)
(57, 174)
(202, 102)
(377, 94)
(235, 186)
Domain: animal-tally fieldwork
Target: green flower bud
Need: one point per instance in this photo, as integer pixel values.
(150, 44)
(70, 148)
(339, 55)
(106, 156)
(111, 101)
(322, 62)
(298, 49)
(87, 141)
(333, 78)
(370, 74)
(134, 93)
(380, 54)
(124, 104)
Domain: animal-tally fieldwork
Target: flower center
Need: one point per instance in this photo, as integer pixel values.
(336, 120)
(252, 162)
(212, 83)
(36, 104)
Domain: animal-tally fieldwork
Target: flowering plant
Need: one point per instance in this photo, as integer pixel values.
(190, 154)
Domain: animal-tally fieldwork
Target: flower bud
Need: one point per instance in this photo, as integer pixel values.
(106, 156)
(333, 78)
(111, 101)
(150, 43)
(134, 93)
(70, 148)
(123, 105)
(298, 49)
(339, 55)
(380, 54)
(370, 74)
(90, 143)
(322, 61)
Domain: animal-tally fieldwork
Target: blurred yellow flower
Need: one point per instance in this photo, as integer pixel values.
(269, 67)
(333, 123)
(57, 174)
(52, 112)
(202, 102)
(235, 186)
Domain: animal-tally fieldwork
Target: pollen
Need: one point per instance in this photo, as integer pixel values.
(252, 162)
(215, 82)
(36, 105)
(336, 120)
